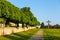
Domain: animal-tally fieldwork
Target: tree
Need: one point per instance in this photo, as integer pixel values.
(4, 10)
(2, 20)
(9, 12)
(42, 25)
(32, 21)
(26, 13)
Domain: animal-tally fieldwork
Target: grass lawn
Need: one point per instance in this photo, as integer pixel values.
(51, 34)
(25, 35)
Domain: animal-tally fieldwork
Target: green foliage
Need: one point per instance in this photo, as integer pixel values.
(10, 12)
(30, 19)
(2, 0)
(42, 25)
(16, 15)
(26, 12)
(2, 20)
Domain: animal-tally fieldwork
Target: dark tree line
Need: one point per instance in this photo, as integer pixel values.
(57, 26)
(11, 13)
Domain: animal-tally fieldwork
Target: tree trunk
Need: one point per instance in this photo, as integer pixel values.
(26, 25)
(17, 25)
(7, 23)
(22, 25)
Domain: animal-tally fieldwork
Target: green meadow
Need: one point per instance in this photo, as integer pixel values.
(51, 34)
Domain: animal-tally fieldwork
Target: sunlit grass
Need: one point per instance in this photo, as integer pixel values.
(51, 34)
(25, 35)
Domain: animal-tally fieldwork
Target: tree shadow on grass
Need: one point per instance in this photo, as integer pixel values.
(12, 37)
(51, 37)
(24, 37)
(17, 37)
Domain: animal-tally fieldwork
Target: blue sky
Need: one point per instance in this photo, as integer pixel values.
(42, 9)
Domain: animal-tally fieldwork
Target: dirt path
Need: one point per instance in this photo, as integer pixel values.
(38, 36)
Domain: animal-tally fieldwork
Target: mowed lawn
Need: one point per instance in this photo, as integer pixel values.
(25, 35)
(51, 34)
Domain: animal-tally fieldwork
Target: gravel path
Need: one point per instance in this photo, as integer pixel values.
(38, 35)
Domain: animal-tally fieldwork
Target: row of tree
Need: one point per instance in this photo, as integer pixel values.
(11, 13)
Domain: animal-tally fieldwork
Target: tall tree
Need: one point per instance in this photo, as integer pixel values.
(42, 25)
(31, 20)
(9, 12)
(26, 12)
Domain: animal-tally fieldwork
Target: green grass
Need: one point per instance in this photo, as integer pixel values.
(25, 35)
(51, 34)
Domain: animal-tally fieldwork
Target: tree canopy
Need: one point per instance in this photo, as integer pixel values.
(11, 13)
